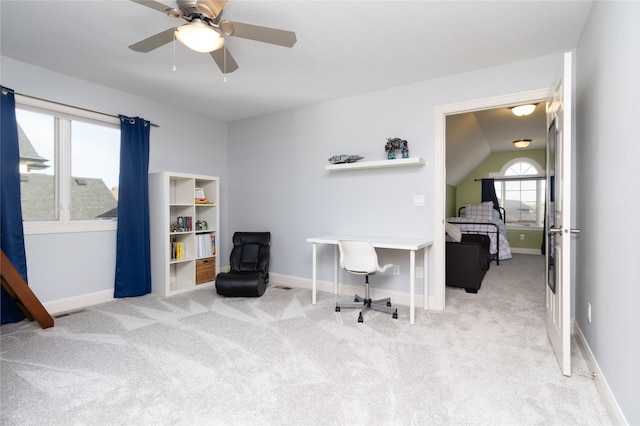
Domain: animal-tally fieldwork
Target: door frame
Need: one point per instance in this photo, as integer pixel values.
(440, 142)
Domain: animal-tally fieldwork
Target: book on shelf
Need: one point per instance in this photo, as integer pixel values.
(177, 250)
(205, 245)
(184, 223)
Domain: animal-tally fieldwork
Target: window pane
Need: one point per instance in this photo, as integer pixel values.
(95, 161)
(521, 168)
(36, 134)
(522, 202)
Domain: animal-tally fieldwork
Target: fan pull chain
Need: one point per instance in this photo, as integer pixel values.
(174, 50)
(224, 64)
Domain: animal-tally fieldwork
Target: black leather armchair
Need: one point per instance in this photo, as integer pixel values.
(249, 266)
(468, 262)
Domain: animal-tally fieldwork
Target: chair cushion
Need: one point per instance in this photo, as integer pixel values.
(249, 258)
(241, 284)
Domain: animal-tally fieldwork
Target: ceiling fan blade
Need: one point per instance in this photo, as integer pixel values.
(153, 42)
(154, 5)
(225, 61)
(258, 33)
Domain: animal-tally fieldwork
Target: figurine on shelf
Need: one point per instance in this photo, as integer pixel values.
(340, 159)
(396, 143)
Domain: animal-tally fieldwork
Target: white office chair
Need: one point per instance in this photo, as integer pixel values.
(359, 257)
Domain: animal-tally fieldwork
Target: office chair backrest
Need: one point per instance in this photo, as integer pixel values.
(358, 256)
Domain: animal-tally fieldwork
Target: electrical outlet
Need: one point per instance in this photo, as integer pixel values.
(396, 269)
(589, 312)
(521, 237)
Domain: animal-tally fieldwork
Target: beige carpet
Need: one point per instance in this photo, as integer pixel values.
(199, 359)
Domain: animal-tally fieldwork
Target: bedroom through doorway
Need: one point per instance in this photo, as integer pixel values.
(478, 143)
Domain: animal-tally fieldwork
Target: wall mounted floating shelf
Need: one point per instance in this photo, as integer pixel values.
(400, 162)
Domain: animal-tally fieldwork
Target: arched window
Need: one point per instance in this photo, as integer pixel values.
(520, 187)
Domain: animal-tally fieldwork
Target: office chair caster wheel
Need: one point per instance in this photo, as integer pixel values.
(395, 315)
(360, 319)
(389, 304)
(337, 308)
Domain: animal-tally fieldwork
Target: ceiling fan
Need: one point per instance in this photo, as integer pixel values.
(205, 31)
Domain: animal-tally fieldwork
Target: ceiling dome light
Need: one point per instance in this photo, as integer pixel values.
(198, 36)
(522, 143)
(522, 110)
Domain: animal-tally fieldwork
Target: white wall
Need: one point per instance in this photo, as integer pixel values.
(62, 266)
(608, 200)
(278, 181)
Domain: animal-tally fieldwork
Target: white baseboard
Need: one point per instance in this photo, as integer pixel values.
(613, 409)
(522, 250)
(74, 303)
(397, 297)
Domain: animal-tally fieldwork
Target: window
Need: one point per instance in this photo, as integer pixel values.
(69, 168)
(520, 188)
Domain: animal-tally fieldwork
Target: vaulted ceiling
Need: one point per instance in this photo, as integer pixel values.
(472, 137)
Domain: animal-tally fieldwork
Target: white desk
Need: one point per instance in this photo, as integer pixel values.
(409, 244)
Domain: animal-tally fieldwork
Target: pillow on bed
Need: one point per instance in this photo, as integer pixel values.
(454, 233)
(483, 212)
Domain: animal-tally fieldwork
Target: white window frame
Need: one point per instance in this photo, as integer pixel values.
(64, 224)
(539, 177)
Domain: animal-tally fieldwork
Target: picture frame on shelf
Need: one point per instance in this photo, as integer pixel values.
(200, 196)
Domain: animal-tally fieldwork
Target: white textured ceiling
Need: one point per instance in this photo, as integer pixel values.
(344, 48)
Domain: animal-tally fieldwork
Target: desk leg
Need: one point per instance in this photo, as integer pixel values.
(425, 277)
(412, 286)
(335, 269)
(313, 274)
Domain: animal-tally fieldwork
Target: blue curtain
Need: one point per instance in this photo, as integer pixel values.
(12, 233)
(133, 259)
(489, 193)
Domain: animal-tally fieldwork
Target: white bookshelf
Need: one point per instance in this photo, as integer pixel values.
(172, 195)
(399, 162)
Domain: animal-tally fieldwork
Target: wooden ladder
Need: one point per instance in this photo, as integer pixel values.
(17, 288)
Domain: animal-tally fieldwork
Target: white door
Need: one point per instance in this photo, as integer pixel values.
(558, 226)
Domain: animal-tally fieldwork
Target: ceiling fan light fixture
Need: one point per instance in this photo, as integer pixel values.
(198, 36)
(522, 110)
(521, 143)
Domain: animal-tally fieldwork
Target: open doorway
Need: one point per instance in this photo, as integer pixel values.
(475, 107)
(479, 145)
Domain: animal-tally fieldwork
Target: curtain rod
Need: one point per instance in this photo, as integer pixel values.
(4, 89)
(535, 177)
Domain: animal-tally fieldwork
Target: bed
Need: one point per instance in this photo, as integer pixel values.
(484, 219)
